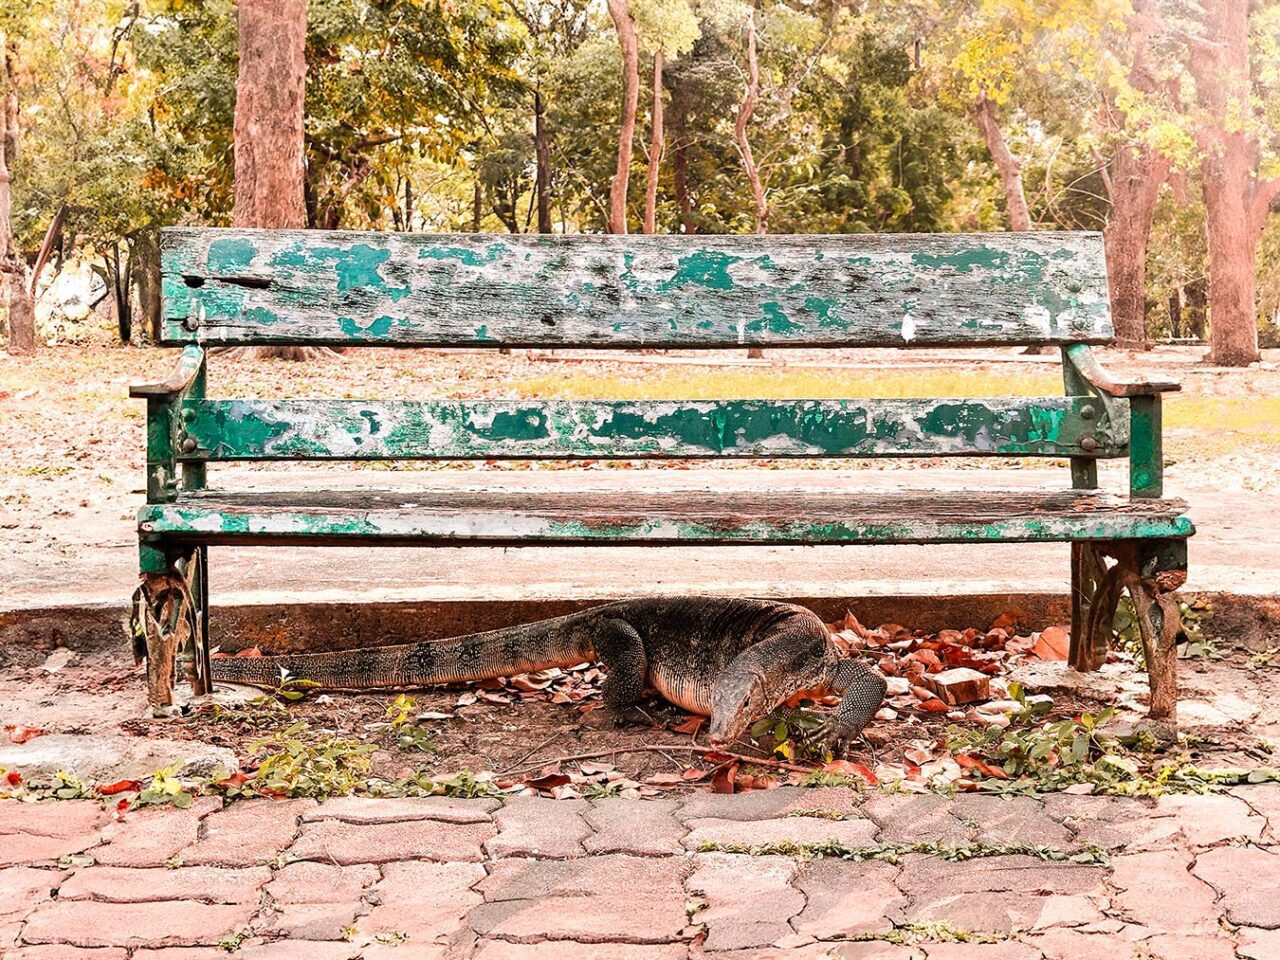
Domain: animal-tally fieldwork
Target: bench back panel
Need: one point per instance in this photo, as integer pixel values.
(482, 430)
(238, 286)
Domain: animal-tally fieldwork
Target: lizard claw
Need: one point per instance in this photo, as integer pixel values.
(833, 735)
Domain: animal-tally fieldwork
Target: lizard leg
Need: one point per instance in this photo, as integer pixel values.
(622, 653)
(863, 691)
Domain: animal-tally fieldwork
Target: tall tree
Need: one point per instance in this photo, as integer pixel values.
(624, 23)
(270, 95)
(1133, 176)
(1007, 163)
(746, 109)
(21, 311)
(1237, 195)
(668, 28)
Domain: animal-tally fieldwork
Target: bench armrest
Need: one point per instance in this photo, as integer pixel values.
(1087, 365)
(184, 375)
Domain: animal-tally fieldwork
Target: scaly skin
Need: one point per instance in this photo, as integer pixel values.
(731, 659)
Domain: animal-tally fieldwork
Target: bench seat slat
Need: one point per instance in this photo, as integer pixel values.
(700, 516)
(362, 430)
(240, 286)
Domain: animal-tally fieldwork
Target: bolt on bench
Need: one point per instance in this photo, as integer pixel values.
(259, 287)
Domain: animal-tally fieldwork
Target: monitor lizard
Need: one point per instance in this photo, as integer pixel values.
(734, 660)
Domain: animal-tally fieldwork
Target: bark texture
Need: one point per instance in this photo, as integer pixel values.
(13, 268)
(1133, 180)
(620, 11)
(1009, 166)
(270, 88)
(269, 135)
(656, 143)
(1236, 199)
(542, 157)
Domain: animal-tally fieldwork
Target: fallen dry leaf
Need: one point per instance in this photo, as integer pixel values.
(849, 768)
(20, 734)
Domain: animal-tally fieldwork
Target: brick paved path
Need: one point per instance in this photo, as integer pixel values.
(1192, 878)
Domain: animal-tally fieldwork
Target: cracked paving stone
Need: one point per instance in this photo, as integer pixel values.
(1247, 878)
(63, 952)
(538, 827)
(339, 842)
(246, 834)
(1171, 947)
(923, 818)
(1010, 820)
(587, 899)
(1264, 800)
(394, 809)
(260, 950)
(569, 950)
(1258, 944)
(647, 829)
(152, 836)
(1039, 893)
(1008, 950)
(1206, 820)
(1113, 823)
(90, 923)
(767, 804)
(870, 950)
(843, 898)
(310, 882)
(31, 833)
(428, 902)
(148, 884)
(1063, 944)
(22, 889)
(309, 921)
(1157, 890)
(748, 900)
(749, 833)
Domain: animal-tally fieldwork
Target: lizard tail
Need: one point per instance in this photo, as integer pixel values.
(560, 642)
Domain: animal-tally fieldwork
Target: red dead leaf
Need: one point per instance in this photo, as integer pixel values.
(1006, 622)
(724, 778)
(21, 734)
(13, 777)
(986, 769)
(934, 706)
(690, 726)
(852, 769)
(548, 781)
(120, 786)
(694, 773)
(249, 652)
(1054, 643)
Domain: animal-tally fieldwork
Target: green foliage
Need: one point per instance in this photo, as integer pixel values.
(296, 763)
(403, 729)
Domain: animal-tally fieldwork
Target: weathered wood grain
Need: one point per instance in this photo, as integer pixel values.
(503, 517)
(528, 429)
(255, 286)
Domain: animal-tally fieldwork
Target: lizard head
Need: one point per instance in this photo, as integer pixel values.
(739, 699)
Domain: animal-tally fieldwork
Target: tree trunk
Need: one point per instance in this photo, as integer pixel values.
(146, 250)
(270, 89)
(408, 203)
(13, 267)
(1133, 184)
(542, 159)
(269, 138)
(1009, 166)
(740, 129)
(620, 11)
(1236, 201)
(656, 142)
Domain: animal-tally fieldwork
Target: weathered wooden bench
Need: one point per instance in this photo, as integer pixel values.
(235, 287)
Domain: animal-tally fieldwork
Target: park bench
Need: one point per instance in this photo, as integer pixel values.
(227, 287)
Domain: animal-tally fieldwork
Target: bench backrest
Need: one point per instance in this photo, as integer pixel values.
(296, 287)
(383, 289)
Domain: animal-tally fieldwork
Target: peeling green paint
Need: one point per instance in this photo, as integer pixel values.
(230, 255)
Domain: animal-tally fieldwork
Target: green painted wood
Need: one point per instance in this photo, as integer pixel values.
(164, 438)
(1146, 450)
(279, 286)
(1084, 470)
(526, 429)
(502, 517)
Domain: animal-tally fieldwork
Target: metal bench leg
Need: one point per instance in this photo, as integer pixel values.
(1091, 602)
(169, 621)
